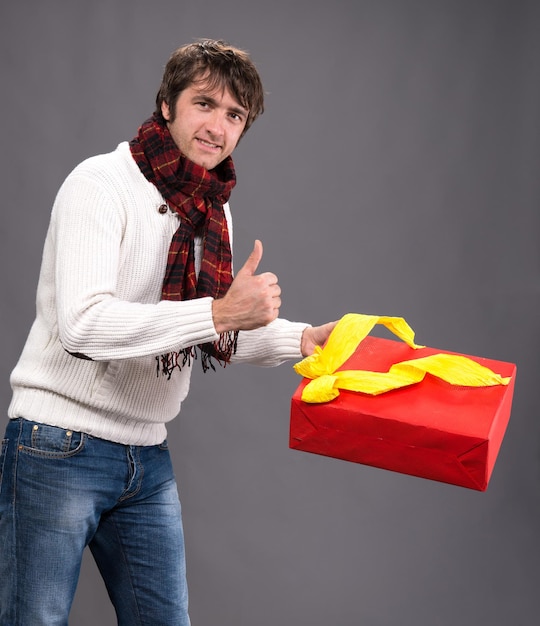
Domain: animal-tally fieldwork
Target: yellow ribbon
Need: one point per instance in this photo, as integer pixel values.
(326, 381)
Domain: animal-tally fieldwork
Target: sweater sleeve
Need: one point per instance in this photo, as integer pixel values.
(107, 265)
(270, 345)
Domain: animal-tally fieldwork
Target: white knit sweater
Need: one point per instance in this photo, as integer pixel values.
(99, 295)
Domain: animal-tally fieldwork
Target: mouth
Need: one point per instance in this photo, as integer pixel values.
(208, 145)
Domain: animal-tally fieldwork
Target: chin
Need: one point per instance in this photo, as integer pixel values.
(212, 165)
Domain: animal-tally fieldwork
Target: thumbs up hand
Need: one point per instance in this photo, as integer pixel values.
(253, 300)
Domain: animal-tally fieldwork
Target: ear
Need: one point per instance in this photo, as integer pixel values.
(165, 111)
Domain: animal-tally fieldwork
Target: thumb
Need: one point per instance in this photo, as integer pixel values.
(253, 260)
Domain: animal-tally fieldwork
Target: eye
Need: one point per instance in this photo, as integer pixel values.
(238, 117)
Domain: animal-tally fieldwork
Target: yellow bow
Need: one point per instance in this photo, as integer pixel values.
(326, 381)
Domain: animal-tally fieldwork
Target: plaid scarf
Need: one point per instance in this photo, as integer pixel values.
(198, 196)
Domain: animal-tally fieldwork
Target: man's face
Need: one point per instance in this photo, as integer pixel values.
(206, 125)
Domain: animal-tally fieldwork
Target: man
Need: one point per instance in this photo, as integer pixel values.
(136, 286)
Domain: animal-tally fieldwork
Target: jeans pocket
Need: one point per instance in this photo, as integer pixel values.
(51, 441)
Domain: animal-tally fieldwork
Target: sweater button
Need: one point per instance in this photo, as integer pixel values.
(163, 209)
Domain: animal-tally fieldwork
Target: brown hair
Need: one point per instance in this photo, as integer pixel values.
(220, 66)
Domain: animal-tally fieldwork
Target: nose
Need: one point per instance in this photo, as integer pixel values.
(215, 123)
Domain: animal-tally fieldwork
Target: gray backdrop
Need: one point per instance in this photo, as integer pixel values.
(395, 172)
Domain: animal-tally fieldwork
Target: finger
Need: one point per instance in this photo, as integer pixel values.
(268, 278)
(253, 260)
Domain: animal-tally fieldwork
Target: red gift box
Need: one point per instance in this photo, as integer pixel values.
(432, 429)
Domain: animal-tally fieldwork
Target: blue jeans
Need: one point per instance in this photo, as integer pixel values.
(61, 491)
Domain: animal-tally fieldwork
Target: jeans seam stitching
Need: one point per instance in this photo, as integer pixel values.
(128, 567)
